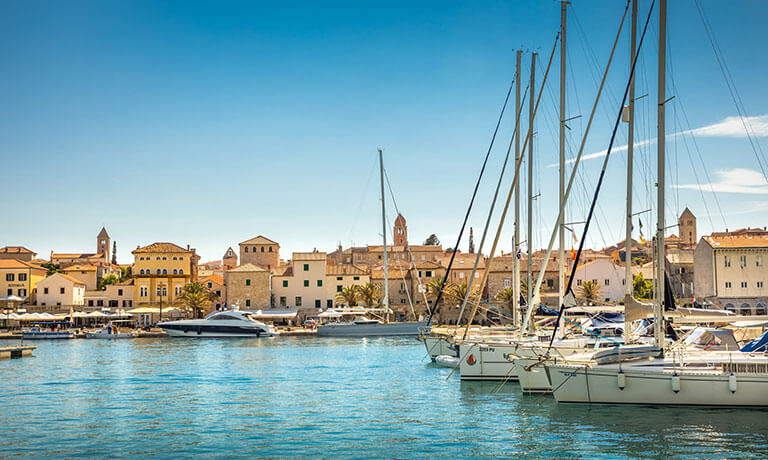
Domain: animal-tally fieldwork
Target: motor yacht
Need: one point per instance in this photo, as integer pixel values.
(230, 323)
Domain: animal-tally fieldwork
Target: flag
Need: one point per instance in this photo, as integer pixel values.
(642, 240)
(573, 253)
(519, 254)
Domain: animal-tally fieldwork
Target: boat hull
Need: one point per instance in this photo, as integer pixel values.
(213, 331)
(371, 330)
(532, 375)
(487, 362)
(439, 346)
(47, 335)
(96, 335)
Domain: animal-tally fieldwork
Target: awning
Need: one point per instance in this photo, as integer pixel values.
(152, 310)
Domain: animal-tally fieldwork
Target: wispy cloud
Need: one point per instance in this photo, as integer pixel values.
(727, 127)
(737, 180)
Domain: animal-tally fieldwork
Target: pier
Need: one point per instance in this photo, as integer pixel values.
(16, 352)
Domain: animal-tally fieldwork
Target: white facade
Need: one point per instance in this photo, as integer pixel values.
(608, 275)
(59, 289)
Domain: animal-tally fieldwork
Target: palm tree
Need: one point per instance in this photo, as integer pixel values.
(590, 291)
(433, 288)
(348, 295)
(369, 293)
(195, 297)
(508, 297)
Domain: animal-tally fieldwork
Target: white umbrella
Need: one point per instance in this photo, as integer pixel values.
(12, 298)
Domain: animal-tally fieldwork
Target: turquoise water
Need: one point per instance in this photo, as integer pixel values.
(320, 397)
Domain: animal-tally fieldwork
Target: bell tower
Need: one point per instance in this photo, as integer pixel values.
(401, 231)
(687, 226)
(102, 244)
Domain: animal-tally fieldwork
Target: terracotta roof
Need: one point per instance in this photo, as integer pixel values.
(259, 240)
(66, 277)
(16, 263)
(215, 278)
(128, 282)
(159, 247)
(345, 269)
(16, 250)
(78, 255)
(80, 268)
(414, 248)
(309, 256)
(248, 268)
(737, 241)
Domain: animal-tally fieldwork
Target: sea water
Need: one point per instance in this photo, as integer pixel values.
(320, 397)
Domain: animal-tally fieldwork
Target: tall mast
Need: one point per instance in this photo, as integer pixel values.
(628, 280)
(515, 260)
(658, 322)
(529, 238)
(384, 236)
(561, 220)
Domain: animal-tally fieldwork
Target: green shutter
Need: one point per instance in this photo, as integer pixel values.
(247, 282)
(319, 283)
(285, 283)
(306, 283)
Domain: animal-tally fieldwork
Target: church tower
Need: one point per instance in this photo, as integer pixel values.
(102, 244)
(229, 260)
(687, 226)
(401, 231)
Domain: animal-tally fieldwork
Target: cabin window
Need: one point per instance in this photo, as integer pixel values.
(225, 317)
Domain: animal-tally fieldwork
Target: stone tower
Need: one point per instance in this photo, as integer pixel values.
(102, 244)
(401, 231)
(687, 226)
(229, 260)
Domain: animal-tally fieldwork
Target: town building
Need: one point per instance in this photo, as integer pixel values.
(247, 287)
(302, 283)
(463, 265)
(17, 252)
(229, 260)
(85, 273)
(215, 284)
(101, 255)
(732, 270)
(608, 275)
(686, 225)
(260, 251)
(340, 276)
(19, 278)
(62, 291)
(160, 271)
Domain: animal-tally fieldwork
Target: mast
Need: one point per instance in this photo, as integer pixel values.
(658, 314)
(529, 294)
(384, 236)
(515, 260)
(561, 220)
(628, 279)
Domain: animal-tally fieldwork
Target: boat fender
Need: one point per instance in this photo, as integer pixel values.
(732, 383)
(622, 380)
(676, 383)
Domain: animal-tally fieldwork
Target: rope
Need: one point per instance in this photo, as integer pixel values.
(581, 327)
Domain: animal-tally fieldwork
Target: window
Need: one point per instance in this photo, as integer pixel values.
(119, 292)
(247, 282)
(285, 283)
(726, 261)
(742, 261)
(61, 291)
(317, 303)
(607, 282)
(759, 284)
(158, 271)
(507, 284)
(428, 273)
(22, 292)
(246, 248)
(306, 283)
(550, 283)
(210, 285)
(181, 258)
(282, 301)
(181, 271)
(10, 291)
(165, 258)
(461, 275)
(270, 249)
(329, 303)
(143, 291)
(45, 290)
(99, 303)
(90, 303)
(158, 258)
(319, 283)
(175, 258)
(578, 282)
(175, 271)
(247, 302)
(9, 276)
(298, 301)
(254, 249)
(759, 261)
(356, 278)
(165, 271)
(743, 284)
(306, 267)
(338, 288)
(22, 276)
(339, 278)
(218, 293)
(727, 284)
(262, 249)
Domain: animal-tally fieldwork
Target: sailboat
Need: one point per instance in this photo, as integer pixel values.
(368, 327)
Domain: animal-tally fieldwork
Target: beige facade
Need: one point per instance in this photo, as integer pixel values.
(160, 270)
(114, 296)
(17, 252)
(260, 251)
(83, 273)
(19, 278)
(461, 270)
(302, 284)
(61, 290)
(338, 277)
(248, 287)
(732, 270)
(215, 284)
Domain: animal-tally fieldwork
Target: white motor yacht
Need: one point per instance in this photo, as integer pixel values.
(231, 323)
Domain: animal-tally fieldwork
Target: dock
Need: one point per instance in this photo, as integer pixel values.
(16, 352)
(297, 331)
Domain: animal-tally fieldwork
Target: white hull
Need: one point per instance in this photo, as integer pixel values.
(98, 335)
(439, 346)
(487, 362)
(657, 384)
(371, 330)
(47, 335)
(203, 333)
(532, 375)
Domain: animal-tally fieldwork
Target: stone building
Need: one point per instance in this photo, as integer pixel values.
(101, 255)
(340, 276)
(248, 287)
(686, 225)
(229, 260)
(17, 252)
(732, 271)
(260, 251)
(215, 284)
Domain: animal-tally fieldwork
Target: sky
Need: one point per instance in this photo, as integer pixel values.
(208, 123)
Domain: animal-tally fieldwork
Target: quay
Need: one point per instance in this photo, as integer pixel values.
(16, 352)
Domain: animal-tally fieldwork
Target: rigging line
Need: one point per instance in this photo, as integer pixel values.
(512, 186)
(490, 211)
(756, 148)
(696, 175)
(574, 170)
(469, 208)
(362, 200)
(408, 248)
(569, 287)
(399, 262)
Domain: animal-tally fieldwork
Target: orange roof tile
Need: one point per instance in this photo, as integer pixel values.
(160, 247)
(738, 241)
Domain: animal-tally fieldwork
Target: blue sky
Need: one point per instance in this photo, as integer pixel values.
(207, 123)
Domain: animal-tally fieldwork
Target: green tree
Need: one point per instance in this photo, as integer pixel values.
(471, 241)
(114, 252)
(125, 273)
(642, 288)
(432, 240)
(433, 289)
(348, 295)
(51, 268)
(590, 291)
(195, 297)
(111, 279)
(370, 294)
(508, 297)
